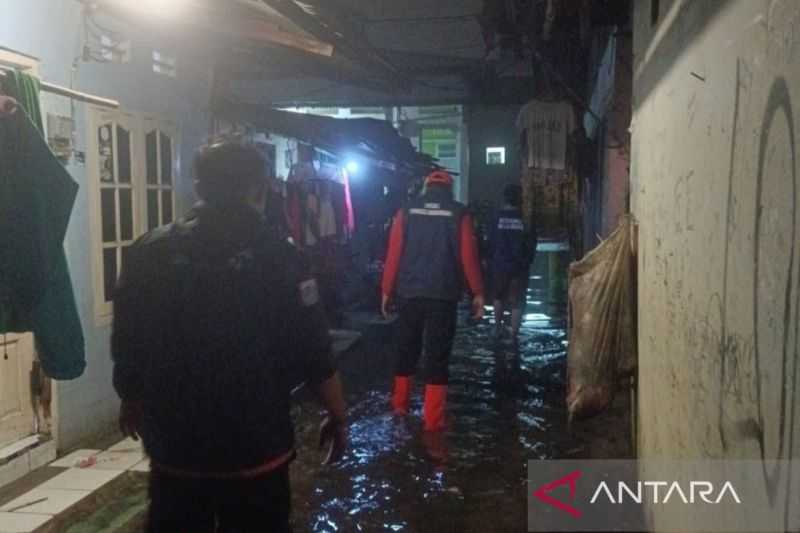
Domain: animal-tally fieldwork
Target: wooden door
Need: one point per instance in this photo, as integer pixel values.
(16, 410)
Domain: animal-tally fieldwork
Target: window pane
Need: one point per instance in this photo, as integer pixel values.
(166, 159)
(125, 250)
(125, 215)
(109, 215)
(152, 209)
(109, 272)
(105, 152)
(124, 149)
(166, 205)
(446, 151)
(152, 157)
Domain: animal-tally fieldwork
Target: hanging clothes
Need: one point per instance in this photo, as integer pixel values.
(546, 127)
(36, 199)
(348, 202)
(294, 213)
(25, 89)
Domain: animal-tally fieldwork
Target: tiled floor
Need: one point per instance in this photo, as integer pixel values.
(84, 472)
(21, 523)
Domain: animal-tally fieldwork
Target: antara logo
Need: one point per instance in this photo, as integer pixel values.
(640, 492)
(648, 491)
(570, 479)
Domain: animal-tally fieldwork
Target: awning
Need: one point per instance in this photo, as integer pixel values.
(369, 138)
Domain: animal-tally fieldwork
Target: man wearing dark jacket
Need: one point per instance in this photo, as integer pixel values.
(432, 248)
(215, 321)
(513, 247)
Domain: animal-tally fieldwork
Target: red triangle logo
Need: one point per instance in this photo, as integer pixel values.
(543, 493)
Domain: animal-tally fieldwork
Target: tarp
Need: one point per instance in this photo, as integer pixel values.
(602, 322)
(366, 137)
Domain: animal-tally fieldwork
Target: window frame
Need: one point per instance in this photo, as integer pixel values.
(152, 123)
(490, 150)
(138, 125)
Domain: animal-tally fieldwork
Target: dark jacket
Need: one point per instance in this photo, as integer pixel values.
(215, 321)
(512, 245)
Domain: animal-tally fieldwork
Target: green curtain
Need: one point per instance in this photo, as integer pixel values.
(24, 88)
(36, 199)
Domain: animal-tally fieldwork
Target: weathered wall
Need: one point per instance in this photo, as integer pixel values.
(617, 145)
(491, 126)
(715, 189)
(51, 30)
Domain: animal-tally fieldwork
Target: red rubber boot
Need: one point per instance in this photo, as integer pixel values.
(401, 394)
(434, 407)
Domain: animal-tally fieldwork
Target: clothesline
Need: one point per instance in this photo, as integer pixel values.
(69, 93)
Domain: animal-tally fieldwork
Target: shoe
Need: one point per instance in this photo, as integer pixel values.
(435, 445)
(401, 395)
(434, 406)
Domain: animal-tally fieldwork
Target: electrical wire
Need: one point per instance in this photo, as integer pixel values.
(439, 87)
(446, 18)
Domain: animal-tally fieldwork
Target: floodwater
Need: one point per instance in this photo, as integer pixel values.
(471, 478)
(395, 477)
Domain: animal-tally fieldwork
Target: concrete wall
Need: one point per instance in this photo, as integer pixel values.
(491, 126)
(617, 141)
(714, 182)
(51, 30)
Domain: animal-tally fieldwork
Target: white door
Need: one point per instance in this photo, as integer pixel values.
(132, 161)
(16, 410)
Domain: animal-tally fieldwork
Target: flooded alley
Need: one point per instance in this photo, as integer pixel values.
(472, 478)
(408, 266)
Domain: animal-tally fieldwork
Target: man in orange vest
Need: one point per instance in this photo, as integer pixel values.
(432, 249)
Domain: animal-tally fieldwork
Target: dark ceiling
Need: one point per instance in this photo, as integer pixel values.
(406, 52)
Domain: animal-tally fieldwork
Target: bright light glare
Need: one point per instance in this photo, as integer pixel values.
(160, 8)
(352, 167)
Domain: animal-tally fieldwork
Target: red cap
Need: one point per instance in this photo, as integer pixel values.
(440, 177)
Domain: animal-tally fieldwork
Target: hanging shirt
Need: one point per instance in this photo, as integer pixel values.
(546, 126)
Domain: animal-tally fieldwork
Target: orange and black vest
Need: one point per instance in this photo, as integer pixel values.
(430, 265)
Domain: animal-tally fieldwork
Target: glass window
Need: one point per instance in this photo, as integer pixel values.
(166, 159)
(105, 151)
(108, 210)
(151, 155)
(446, 150)
(126, 214)
(152, 209)
(124, 149)
(496, 155)
(166, 206)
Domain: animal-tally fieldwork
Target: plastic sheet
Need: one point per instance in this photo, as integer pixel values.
(602, 322)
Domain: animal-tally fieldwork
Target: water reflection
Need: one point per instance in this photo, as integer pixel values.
(505, 408)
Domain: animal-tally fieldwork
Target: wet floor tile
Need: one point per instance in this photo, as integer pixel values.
(75, 459)
(21, 523)
(46, 501)
(118, 460)
(81, 479)
(127, 445)
(144, 466)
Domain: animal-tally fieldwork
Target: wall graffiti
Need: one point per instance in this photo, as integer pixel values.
(734, 350)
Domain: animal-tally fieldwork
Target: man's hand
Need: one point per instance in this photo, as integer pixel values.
(385, 306)
(477, 307)
(333, 433)
(8, 106)
(130, 419)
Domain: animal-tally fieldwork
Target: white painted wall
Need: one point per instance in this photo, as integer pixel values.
(51, 30)
(715, 189)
